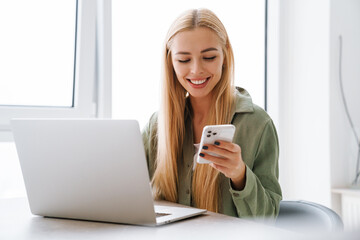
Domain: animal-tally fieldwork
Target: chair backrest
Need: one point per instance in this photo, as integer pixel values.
(301, 215)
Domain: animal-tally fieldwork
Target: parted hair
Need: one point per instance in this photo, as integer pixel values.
(171, 117)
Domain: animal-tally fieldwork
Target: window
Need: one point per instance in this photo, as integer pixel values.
(48, 61)
(55, 61)
(139, 28)
(132, 56)
(37, 56)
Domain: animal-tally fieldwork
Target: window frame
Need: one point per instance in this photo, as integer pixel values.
(92, 78)
(273, 61)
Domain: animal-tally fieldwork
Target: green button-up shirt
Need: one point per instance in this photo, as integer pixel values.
(256, 135)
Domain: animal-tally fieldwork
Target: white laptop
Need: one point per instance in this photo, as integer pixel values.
(89, 169)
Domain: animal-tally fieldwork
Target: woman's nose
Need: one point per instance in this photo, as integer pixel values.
(196, 67)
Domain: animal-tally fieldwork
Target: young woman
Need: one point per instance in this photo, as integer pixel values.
(198, 90)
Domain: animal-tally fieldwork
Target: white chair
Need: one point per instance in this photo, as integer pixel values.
(303, 215)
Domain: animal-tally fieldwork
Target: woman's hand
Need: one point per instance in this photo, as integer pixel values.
(230, 162)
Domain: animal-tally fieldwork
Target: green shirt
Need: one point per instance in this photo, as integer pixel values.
(256, 135)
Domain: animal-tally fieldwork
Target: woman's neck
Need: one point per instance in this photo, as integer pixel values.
(200, 108)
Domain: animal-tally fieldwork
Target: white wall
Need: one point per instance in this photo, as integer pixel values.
(345, 21)
(303, 120)
(317, 147)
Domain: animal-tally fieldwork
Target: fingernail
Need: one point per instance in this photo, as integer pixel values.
(205, 147)
(217, 143)
(202, 155)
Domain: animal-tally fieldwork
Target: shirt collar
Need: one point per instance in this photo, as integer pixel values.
(243, 101)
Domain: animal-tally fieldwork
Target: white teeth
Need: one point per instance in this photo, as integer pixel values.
(197, 82)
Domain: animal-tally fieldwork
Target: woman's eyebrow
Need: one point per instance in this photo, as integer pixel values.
(203, 51)
(209, 49)
(186, 53)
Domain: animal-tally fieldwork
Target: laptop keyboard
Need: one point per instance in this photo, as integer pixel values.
(157, 214)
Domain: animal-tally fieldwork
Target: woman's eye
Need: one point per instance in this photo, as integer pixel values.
(209, 58)
(184, 61)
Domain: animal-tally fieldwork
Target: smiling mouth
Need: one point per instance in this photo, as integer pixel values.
(198, 81)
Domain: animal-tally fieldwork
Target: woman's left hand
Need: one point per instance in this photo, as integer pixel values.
(230, 162)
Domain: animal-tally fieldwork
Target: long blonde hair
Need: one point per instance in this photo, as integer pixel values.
(171, 119)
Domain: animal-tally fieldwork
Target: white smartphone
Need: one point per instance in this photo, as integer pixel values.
(212, 133)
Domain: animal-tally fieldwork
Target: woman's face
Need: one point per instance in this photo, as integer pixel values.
(197, 58)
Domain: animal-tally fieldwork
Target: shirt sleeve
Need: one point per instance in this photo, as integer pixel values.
(149, 136)
(262, 193)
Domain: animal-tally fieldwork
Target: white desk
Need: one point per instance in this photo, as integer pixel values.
(16, 222)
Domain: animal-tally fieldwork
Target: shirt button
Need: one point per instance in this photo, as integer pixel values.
(187, 191)
(188, 165)
(236, 195)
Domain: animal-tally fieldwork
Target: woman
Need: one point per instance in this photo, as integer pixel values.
(198, 91)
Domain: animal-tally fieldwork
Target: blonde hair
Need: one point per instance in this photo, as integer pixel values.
(171, 119)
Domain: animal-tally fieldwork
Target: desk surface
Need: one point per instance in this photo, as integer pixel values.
(17, 222)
